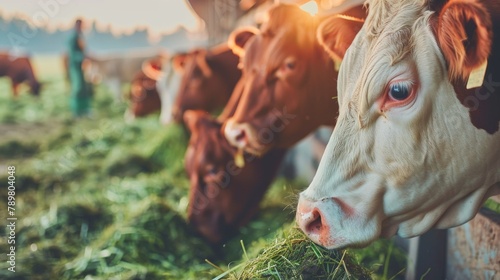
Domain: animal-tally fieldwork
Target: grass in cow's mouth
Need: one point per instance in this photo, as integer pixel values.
(291, 255)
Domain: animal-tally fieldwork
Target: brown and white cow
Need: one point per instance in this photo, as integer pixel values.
(144, 99)
(208, 79)
(197, 80)
(19, 70)
(223, 197)
(289, 85)
(413, 148)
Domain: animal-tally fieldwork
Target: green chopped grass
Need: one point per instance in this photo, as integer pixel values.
(492, 205)
(291, 255)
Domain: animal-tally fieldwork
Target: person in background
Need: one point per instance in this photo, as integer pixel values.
(80, 99)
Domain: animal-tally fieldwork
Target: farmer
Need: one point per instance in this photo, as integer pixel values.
(80, 91)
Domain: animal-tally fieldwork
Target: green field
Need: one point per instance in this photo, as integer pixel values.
(101, 199)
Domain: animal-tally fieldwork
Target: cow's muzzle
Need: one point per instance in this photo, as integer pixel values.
(244, 136)
(316, 218)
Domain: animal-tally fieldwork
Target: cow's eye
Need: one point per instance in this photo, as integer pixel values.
(290, 65)
(399, 91)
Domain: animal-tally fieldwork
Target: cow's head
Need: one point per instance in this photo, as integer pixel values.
(36, 87)
(405, 156)
(143, 97)
(208, 78)
(289, 86)
(223, 196)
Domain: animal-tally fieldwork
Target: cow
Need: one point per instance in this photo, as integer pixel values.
(414, 147)
(115, 70)
(161, 72)
(290, 82)
(208, 79)
(223, 195)
(203, 80)
(143, 97)
(227, 185)
(19, 70)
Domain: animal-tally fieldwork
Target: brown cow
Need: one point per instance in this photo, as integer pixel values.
(19, 70)
(223, 197)
(221, 193)
(288, 82)
(143, 97)
(209, 77)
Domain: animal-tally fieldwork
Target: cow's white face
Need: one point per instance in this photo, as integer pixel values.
(404, 156)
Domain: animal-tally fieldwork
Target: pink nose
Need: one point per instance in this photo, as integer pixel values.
(236, 134)
(315, 219)
(309, 219)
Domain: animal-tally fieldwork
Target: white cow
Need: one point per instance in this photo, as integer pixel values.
(413, 148)
(114, 70)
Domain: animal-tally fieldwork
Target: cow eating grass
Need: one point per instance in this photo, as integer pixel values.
(208, 79)
(409, 151)
(223, 197)
(19, 70)
(143, 97)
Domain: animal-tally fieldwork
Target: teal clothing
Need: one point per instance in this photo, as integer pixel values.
(80, 93)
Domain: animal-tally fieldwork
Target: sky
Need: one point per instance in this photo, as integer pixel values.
(160, 16)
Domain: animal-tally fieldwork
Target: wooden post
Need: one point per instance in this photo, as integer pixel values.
(427, 256)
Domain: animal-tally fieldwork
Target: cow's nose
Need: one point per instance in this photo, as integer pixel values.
(313, 219)
(235, 134)
(309, 217)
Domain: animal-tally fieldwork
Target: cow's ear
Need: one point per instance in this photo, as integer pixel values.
(336, 34)
(179, 61)
(151, 70)
(464, 36)
(239, 38)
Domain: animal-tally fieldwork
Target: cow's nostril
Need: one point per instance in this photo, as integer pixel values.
(314, 226)
(240, 136)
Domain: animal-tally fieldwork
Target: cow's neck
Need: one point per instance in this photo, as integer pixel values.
(232, 104)
(326, 107)
(228, 63)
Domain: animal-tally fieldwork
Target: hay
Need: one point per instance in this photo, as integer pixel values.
(292, 255)
(154, 242)
(123, 164)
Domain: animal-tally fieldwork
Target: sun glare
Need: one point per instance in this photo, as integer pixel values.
(311, 7)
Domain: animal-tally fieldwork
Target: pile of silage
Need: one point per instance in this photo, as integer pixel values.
(291, 255)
